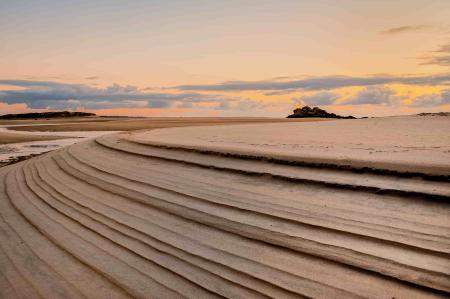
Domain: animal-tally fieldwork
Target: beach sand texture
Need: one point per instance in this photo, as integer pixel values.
(130, 124)
(10, 137)
(338, 209)
(25, 130)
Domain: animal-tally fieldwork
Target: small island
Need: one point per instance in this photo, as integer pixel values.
(54, 114)
(434, 114)
(306, 112)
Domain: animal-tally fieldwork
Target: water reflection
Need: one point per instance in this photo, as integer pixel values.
(15, 151)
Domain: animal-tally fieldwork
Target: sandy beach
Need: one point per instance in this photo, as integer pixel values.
(9, 137)
(224, 149)
(21, 139)
(337, 209)
(130, 124)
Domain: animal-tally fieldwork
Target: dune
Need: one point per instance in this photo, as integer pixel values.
(338, 209)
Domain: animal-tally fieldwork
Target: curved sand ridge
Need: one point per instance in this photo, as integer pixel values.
(168, 213)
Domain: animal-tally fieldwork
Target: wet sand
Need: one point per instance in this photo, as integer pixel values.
(7, 137)
(403, 144)
(129, 124)
(31, 137)
(245, 211)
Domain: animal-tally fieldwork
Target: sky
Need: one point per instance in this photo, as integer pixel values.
(225, 58)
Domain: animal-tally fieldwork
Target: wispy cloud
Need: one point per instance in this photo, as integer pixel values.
(378, 95)
(432, 100)
(375, 95)
(443, 49)
(442, 60)
(320, 83)
(320, 98)
(375, 91)
(405, 29)
(54, 95)
(370, 95)
(441, 56)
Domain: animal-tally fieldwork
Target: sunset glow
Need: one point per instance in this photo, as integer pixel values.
(230, 58)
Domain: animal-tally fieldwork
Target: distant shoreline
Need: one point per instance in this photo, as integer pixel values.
(27, 131)
(40, 115)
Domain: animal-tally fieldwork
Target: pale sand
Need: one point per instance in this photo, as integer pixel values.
(7, 137)
(57, 124)
(41, 130)
(409, 143)
(148, 215)
(129, 124)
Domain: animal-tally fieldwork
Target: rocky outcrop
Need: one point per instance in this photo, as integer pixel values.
(53, 114)
(434, 114)
(307, 111)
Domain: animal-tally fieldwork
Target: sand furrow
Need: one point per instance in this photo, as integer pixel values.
(7, 288)
(87, 281)
(84, 244)
(104, 185)
(400, 266)
(149, 269)
(34, 269)
(228, 199)
(152, 173)
(387, 184)
(160, 217)
(141, 215)
(171, 263)
(419, 148)
(21, 285)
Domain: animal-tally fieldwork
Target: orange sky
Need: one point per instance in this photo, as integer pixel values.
(157, 46)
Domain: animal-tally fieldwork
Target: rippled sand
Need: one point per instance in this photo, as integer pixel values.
(22, 139)
(248, 211)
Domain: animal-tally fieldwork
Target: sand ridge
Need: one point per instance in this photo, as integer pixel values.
(404, 144)
(118, 216)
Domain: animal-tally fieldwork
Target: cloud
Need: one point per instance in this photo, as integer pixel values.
(319, 83)
(441, 56)
(443, 49)
(432, 100)
(320, 98)
(405, 29)
(279, 92)
(374, 95)
(442, 60)
(92, 78)
(54, 95)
